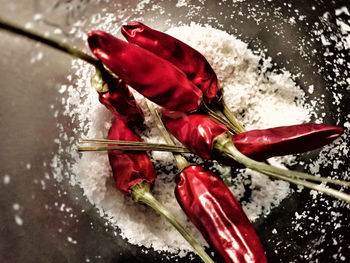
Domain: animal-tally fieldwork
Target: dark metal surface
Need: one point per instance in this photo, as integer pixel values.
(59, 224)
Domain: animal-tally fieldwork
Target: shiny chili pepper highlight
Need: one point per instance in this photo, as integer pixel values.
(152, 76)
(186, 58)
(129, 167)
(216, 213)
(118, 99)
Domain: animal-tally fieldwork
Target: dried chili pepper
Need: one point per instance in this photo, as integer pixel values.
(129, 168)
(208, 140)
(186, 58)
(197, 132)
(115, 95)
(152, 76)
(263, 144)
(216, 213)
(134, 174)
(213, 209)
(190, 61)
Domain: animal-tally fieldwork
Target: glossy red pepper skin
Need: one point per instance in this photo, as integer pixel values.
(155, 78)
(121, 103)
(129, 168)
(263, 144)
(216, 213)
(186, 58)
(197, 132)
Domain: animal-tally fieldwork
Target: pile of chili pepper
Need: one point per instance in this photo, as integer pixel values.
(180, 79)
(213, 209)
(204, 198)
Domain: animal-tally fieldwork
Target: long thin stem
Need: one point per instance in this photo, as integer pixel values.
(164, 148)
(54, 43)
(212, 114)
(224, 144)
(141, 194)
(104, 141)
(232, 118)
(180, 160)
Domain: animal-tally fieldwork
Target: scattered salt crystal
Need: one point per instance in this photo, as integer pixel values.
(28, 166)
(28, 25)
(18, 220)
(6, 179)
(15, 206)
(37, 17)
(57, 31)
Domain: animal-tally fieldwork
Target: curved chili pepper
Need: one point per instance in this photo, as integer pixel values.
(118, 99)
(216, 213)
(152, 76)
(186, 58)
(129, 168)
(263, 144)
(197, 132)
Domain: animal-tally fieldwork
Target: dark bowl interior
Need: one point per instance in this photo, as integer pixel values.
(56, 214)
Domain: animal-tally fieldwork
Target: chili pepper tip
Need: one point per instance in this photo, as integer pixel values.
(131, 28)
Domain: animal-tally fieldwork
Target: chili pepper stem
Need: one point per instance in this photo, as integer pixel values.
(141, 194)
(181, 162)
(224, 144)
(215, 116)
(162, 148)
(54, 43)
(232, 119)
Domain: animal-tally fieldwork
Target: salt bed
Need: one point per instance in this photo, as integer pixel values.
(258, 95)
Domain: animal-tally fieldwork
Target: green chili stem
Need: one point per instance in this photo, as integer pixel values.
(232, 119)
(180, 160)
(134, 148)
(212, 114)
(52, 43)
(129, 143)
(141, 194)
(224, 144)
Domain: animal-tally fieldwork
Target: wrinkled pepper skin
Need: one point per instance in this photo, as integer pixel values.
(278, 141)
(128, 167)
(216, 213)
(154, 77)
(197, 132)
(189, 60)
(121, 103)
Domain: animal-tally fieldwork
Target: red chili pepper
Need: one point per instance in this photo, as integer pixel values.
(133, 173)
(216, 213)
(197, 132)
(129, 168)
(152, 76)
(263, 144)
(115, 95)
(189, 60)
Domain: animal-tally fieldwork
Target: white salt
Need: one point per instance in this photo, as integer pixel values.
(18, 220)
(6, 179)
(259, 97)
